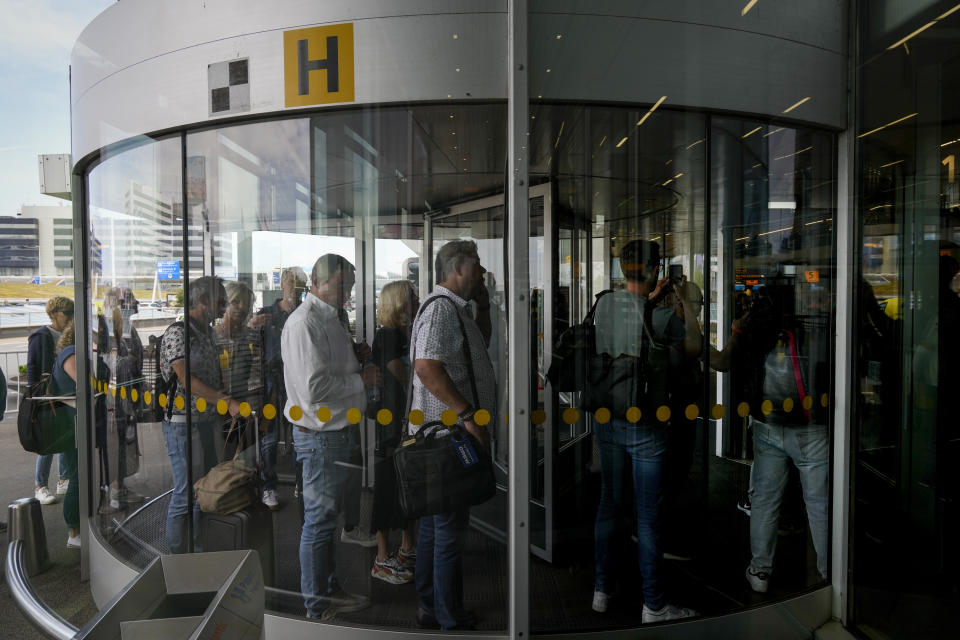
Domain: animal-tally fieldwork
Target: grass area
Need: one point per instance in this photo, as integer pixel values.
(21, 290)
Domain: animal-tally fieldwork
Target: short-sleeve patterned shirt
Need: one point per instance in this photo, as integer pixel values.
(437, 335)
(204, 363)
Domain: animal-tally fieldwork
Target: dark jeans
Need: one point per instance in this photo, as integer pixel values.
(439, 571)
(71, 501)
(637, 449)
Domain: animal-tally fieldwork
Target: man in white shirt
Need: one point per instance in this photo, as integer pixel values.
(324, 381)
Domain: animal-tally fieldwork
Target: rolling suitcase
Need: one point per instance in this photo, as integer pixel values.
(249, 528)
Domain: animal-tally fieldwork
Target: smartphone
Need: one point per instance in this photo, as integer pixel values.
(676, 274)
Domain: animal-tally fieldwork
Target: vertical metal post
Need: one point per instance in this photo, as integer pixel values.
(186, 332)
(518, 319)
(81, 321)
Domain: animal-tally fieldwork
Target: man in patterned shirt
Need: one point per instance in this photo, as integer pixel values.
(208, 300)
(443, 382)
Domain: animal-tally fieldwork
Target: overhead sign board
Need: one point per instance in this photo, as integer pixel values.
(168, 269)
(318, 65)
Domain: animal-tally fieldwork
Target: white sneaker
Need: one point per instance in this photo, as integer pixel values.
(600, 601)
(667, 612)
(73, 542)
(270, 499)
(62, 485)
(44, 496)
(356, 536)
(759, 580)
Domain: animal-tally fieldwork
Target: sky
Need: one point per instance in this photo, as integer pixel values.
(36, 38)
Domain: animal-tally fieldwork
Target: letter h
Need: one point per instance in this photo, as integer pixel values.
(305, 65)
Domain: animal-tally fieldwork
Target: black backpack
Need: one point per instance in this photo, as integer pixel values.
(162, 385)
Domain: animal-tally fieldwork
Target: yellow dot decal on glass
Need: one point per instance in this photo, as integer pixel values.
(807, 403)
(788, 405)
(133, 395)
(692, 412)
(113, 391)
(222, 407)
(633, 414)
(296, 412)
(162, 400)
(602, 415)
(324, 414)
(179, 403)
(201, 405)
(147, 398)
(482, 417)
(384, 416)
(417, 417)
(824, 400)
(449, 417)
(766, 407)
(269, 411)
(354, 415)
(538, 416)
(743, 409)
(245, 409)
(123, 393)
(663, 413)
(570, 415)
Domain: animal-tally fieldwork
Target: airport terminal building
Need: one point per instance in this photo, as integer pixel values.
(788, 169)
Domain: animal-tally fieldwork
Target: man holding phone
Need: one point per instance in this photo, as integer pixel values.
(636, 447)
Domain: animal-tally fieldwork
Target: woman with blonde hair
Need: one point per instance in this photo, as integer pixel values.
(398, 306)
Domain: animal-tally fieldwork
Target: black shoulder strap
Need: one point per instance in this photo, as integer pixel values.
(465, 349)
(593, 310)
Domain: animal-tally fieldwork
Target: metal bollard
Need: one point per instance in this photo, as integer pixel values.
(25, 523)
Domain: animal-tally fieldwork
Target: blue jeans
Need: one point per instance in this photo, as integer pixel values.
(268, 459)
(809, 448)
(439, 570)
(638, 449)
(42, 473)
(323, 482)
(175, 434)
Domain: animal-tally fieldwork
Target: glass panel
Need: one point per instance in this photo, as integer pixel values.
(135, 212)
(325, 232)
(906, 493)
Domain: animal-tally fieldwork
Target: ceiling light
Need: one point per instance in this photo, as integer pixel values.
(921, 29)
(678, 175)
(889, 124)
(751, 132)
(560, 133)
(559, 36)
(620, 144)
(946, 144)
(770, 133)
(451, 116)
(890, 164)
(458, 69)
(789, 109)
(548, 69)
(667, 182)
(790, 155)
(693, 144)
(602, 140)
(652, 109)
(456, 35)
(749, 6)
(668, 162)
(453, 133)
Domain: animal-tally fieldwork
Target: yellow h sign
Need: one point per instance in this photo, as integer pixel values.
(318, 65)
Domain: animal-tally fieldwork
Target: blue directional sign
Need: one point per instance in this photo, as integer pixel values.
(168, 269)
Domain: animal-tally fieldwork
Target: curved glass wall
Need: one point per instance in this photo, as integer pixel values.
(210, 239)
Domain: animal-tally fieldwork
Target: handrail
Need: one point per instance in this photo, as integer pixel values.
(46, 620)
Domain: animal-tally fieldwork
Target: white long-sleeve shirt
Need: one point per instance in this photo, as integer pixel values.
(320, 368)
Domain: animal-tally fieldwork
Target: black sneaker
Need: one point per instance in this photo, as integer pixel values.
(426, 620)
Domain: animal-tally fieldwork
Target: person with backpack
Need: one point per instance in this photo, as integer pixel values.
(787, 370)
(208, 300)
(633, 333)
(41, 355)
